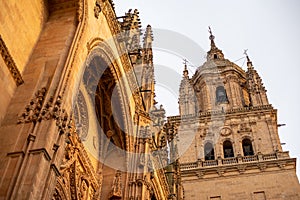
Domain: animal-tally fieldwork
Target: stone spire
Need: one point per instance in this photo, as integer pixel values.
(214, 52)
(148, 37)
(147, 70)
(147, 52)
(255, 85)
(186, 94)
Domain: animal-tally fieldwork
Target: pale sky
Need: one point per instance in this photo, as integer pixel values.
(269, 29)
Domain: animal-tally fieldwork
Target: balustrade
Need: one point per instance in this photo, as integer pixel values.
(234, 160)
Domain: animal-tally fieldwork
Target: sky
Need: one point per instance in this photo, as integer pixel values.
(269, 29)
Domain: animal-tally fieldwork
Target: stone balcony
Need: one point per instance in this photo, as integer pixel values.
(238, 165)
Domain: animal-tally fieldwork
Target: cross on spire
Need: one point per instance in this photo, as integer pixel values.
(185, 71)
(185, 61)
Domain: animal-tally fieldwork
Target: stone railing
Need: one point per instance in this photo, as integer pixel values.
(271, 156)
(219, 112)
(209, 163)
(229, 161)
(250, 158)
(234, 160)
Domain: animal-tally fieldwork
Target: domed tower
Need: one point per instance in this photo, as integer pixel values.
(220, 84)
(236, 151)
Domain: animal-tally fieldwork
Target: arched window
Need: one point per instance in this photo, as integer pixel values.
(209, 151)
(227, 149)
(221, 94)
(247, 147)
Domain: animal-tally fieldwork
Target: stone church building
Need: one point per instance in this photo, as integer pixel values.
(79, 120)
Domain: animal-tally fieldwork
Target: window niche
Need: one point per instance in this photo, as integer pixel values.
(209, 153)
(247, 147)
(228, 149)
(221, 96)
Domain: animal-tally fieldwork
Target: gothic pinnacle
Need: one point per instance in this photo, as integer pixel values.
(148, 36)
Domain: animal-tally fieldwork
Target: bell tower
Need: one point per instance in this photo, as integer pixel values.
(236, 151)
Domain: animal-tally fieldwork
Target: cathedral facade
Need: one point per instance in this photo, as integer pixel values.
(77, 89)
(79, 120)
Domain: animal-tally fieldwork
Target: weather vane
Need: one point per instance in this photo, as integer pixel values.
(245, 52)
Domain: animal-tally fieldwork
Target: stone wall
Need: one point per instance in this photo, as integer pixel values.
(21, 23)
(276, 185)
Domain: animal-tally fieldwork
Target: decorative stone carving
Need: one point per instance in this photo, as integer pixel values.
(244, 128)
(220, 172)
(79, 11)
(97, 9)
(200, 174)
(37, 111)
(10, 63)
(262, 166)
(78, 179)
(225, 131)
(116, 192)
(81, 116)
(33, 109)
(241, 168)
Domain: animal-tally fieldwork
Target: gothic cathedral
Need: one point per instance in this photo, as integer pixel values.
(79, 120)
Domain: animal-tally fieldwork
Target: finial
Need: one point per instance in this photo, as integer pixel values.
(185, 71)
(249, 63)
(211, 37)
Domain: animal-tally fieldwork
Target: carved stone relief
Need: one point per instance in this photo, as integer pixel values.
(97, 9)
(116, 192)
(225, 131)
(81, 116)
(33, 108)
(78, 178)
